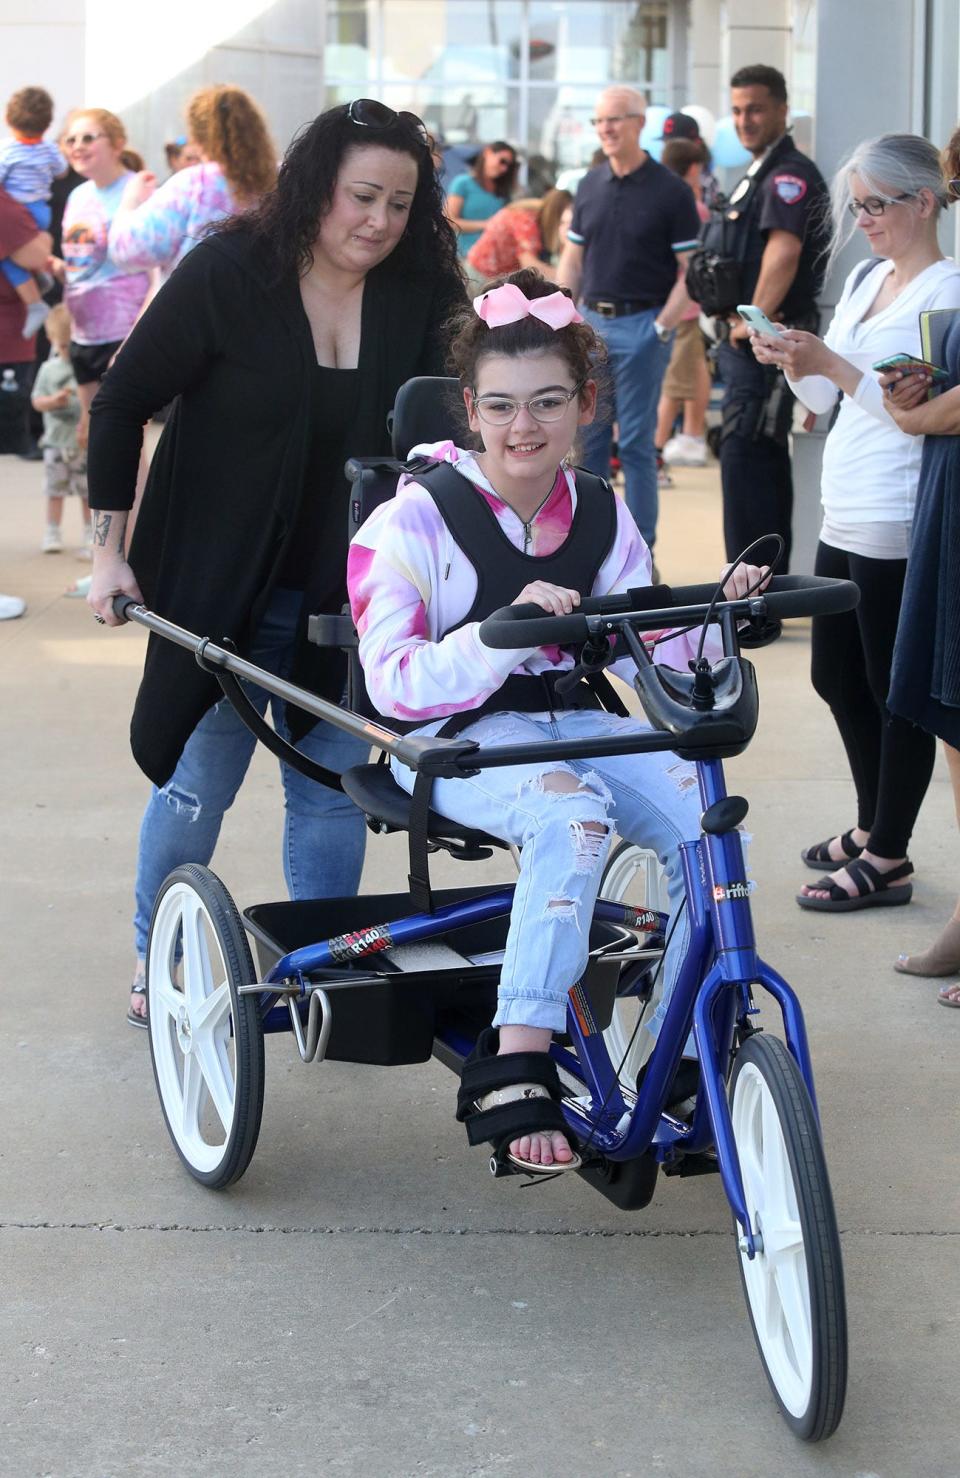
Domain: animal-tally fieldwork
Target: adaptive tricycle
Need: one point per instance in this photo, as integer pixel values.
(374, 980)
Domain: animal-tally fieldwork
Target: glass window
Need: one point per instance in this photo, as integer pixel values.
(580, 41)
(348, 53)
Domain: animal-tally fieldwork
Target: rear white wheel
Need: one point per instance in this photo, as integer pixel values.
(632, 875)
(794, 1283)
(206, 1040)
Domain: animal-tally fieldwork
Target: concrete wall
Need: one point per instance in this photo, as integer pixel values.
(47, 50)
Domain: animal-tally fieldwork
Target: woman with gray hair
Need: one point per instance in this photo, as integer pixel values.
(891, 189)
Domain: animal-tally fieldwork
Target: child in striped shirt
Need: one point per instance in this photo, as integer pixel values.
(28, 167)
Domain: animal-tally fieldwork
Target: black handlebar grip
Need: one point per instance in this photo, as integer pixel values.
(122, 604)
(786, 596)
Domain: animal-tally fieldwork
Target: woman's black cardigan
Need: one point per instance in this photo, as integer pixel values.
(233, 346)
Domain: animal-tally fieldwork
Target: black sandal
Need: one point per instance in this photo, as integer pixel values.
(873, 889)
(819, 855)
(502, 1098)
(139, 988)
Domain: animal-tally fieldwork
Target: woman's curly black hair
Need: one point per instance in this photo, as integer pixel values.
(288, 217)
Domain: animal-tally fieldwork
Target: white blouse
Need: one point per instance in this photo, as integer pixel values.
(871, 467)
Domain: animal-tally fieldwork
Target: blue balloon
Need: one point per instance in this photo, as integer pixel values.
(650, 138)
(727, 150)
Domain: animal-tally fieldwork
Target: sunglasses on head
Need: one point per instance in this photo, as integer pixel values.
(368, 113)
(82, 138)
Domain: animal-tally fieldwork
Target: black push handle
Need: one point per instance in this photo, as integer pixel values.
(658, 606)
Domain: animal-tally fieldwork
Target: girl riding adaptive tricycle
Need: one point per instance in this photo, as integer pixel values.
(488, 597)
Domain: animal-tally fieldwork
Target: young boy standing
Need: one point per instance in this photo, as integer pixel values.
(64, 463)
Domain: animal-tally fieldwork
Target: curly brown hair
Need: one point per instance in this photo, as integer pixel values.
(470, 338)
(231, 130)
(30, 110)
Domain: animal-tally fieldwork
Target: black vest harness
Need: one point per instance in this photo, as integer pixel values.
(502, 572)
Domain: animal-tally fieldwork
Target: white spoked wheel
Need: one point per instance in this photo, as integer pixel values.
(794, 1285)
(632, 875)
(206, 1040)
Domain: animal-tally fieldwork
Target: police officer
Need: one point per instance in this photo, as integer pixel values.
(775, 226)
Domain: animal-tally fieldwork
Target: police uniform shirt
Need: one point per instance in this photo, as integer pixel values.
(630, 227)
(792, 197)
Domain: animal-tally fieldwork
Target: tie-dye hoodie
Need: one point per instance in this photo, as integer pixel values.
(408, 580)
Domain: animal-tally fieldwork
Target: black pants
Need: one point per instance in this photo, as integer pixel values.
(15, 409)
(755, 472)
(891, 760)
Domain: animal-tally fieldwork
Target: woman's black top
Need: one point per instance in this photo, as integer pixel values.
(322, 521)
(228, 338)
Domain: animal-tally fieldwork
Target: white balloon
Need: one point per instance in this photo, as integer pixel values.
(705, 119)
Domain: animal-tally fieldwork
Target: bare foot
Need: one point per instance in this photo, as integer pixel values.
(949, 995)
(538, 1149)
(138, 997)
(843, 879)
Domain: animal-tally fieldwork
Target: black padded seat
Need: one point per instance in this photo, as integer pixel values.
(374, 790)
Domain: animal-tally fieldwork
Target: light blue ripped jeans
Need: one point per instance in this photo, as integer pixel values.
(651, 799)
(324, 834)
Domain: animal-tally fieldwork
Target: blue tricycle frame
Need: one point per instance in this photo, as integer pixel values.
(626, 1134)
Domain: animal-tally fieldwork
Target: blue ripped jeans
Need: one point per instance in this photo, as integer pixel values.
(651, 799)
(324, 834)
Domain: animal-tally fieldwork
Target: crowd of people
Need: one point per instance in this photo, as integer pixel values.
(271, 315)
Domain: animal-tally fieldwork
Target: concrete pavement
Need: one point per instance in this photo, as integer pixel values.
(367, 1299)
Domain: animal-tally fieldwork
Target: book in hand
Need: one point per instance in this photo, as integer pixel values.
(933, 327)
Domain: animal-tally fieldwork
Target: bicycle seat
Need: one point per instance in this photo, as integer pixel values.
(386, 806)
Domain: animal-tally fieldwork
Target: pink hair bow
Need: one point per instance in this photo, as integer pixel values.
(507, 304)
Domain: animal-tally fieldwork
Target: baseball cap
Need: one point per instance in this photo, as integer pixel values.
(680, 126)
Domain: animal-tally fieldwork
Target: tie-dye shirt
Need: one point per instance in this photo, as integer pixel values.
(409, 580)
(103, 301)
(161, 231)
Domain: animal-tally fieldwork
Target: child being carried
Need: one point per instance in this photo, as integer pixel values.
(28, 167)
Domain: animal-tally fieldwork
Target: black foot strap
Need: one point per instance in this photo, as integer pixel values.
(484, 1072)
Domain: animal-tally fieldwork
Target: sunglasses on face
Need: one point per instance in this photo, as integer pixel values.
(875, 205)
(500, 410)
(82, 138)
(369, 113)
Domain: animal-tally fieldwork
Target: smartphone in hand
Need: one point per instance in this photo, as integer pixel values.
(755, 318)
(910, 364)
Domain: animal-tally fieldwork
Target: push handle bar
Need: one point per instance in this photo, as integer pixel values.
(444, 757)
(658, 606)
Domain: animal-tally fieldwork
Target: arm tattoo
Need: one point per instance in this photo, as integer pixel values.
(101, 528)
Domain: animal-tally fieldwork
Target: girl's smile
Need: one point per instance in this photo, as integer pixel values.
(521, 455)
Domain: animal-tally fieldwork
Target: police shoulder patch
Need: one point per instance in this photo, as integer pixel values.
(789, 188)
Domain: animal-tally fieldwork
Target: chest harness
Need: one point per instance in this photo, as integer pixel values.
(502, 571)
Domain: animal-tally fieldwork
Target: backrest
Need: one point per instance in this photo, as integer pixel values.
(425, 410)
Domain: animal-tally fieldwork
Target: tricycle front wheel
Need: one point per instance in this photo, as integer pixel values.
(794, 1282)
(206, 1039)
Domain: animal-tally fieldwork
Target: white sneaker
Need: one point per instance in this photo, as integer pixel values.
(11, 606)
(686, 451)
(52, 539)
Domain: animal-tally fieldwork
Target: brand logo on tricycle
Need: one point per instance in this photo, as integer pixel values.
(723, 894)
(361, 942)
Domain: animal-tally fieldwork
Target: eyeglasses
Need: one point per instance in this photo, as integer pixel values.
(500, 410)
(875, 205)
(954, 185)
(369, 113)
(82, 138)
(614, 118)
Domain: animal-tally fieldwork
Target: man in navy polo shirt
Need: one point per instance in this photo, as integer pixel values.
(634, 224)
